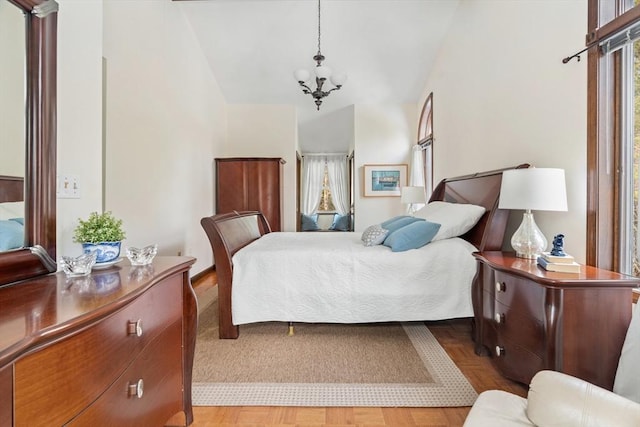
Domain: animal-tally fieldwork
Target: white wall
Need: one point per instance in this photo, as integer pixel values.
(502, 96)
(79, 113)
(384, 134)
(165, 122)
(267, 131)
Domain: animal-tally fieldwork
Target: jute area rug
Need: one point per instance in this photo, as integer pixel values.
(382, 365)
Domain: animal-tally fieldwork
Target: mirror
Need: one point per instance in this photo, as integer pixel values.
(39, 251)
(12, 100)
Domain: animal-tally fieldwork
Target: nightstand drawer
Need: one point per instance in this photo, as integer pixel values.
(519, 328)
(516, 362)
(520, 294)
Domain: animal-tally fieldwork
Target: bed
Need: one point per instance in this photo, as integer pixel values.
(334, 278)
(11, 212)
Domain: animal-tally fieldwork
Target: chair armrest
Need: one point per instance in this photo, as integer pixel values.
(557, 399)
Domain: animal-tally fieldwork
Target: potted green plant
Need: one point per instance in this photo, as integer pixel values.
(101, 233)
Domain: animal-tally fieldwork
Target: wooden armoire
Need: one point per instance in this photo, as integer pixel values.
(250, 183)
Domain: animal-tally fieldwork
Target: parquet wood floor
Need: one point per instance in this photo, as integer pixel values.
(453, 335)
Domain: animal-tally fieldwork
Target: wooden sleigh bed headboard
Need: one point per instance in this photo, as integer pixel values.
(11, 189)
(230, 232)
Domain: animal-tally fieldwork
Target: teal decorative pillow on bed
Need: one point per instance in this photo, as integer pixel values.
(374, 235)
(309, 222)
(340, 223)
(11, 235)
(398, 222)
(412, 236)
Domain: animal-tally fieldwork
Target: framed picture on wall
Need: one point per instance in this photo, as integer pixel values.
(384, 180)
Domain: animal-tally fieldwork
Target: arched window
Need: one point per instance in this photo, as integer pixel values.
(422, 162)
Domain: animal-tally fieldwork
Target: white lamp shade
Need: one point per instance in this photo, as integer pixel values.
(541, 189)
(412, 195)
(338, 79)
(323, 72)
(301, 75)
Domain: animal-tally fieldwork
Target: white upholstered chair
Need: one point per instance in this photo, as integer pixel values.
(556, 399)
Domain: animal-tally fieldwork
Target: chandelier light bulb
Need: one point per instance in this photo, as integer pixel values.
(338, 79)
(323, 72)
(301, 75)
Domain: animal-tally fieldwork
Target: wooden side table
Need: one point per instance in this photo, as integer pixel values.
(529, 319)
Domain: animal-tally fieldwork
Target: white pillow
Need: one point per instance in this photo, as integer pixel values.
(626, 382)
(9, 210)
(455, 219)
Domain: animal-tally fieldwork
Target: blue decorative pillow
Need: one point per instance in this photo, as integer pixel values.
(395, 218)
(399, 222)
(18, 220)
(340, 223)
(309, 222)
(412, 236)
(11, 235)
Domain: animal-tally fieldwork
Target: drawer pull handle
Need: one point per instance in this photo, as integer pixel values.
(135, 328)
(136, 389)
(499, 318)
(499, 350)
(500, 287)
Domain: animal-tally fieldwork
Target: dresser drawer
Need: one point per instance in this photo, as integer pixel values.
(516, 362)
(57, 382)
(520, 328)
(520, 294)
(148, 393)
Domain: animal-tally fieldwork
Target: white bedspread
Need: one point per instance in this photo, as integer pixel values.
(334, 278)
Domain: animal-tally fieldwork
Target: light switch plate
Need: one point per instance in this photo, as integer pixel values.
(68, 187)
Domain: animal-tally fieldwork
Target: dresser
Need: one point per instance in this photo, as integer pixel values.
(250, 184)
(113, 348)
(529, 319)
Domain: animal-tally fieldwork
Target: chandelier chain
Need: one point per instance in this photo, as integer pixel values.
(318, 26)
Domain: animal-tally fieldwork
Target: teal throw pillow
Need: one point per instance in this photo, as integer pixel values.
(309, 222)
(399, 222)
(340, 223)
(11, 235)
(395, 218)
(412, 236)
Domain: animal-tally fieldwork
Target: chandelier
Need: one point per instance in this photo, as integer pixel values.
(322, 74)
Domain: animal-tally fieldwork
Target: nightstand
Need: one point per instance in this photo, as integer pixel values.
(529, 319)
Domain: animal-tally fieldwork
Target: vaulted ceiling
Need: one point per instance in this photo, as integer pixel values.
(386, 47)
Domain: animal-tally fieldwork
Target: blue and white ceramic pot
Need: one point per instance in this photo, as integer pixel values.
(106, 251)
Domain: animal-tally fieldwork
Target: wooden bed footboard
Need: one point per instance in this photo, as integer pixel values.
(228, 233)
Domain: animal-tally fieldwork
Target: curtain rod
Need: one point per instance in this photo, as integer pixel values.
(577, 54)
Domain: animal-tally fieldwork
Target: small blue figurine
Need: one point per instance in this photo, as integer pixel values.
(558, 242)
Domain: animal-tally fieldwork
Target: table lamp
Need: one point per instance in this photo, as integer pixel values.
(541, 189)
(412, 196)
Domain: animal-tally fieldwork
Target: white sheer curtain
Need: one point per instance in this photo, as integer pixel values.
(338, 182)
(417, 174)
(312, 176)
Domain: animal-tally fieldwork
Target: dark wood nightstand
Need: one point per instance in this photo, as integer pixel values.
(529, 319)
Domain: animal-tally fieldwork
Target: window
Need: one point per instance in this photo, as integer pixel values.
(613, 154)
(425, 142)
(326, 204)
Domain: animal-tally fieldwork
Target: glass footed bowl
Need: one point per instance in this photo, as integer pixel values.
(78, 266)
(142, 256)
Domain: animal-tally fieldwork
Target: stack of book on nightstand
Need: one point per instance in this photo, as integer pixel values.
(561, 264)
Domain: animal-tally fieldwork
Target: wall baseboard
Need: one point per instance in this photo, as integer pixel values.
(203, 273)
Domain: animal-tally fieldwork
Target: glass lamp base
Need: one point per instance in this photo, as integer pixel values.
(528, 241)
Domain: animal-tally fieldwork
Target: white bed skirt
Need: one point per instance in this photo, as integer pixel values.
(334, 278)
